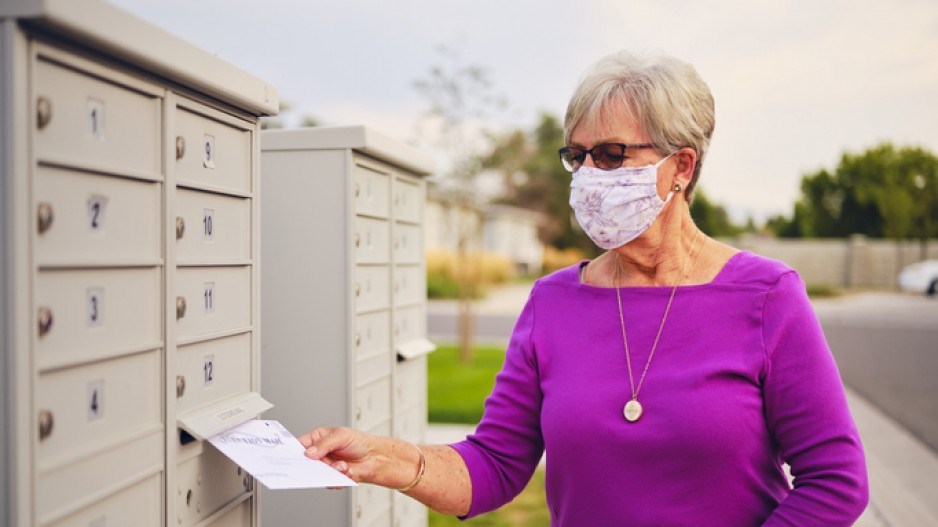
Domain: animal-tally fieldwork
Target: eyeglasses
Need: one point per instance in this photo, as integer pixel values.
(606, 156)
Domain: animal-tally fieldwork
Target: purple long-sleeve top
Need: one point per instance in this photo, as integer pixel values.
(741, 382)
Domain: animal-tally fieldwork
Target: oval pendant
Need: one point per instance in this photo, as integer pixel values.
(632, 411)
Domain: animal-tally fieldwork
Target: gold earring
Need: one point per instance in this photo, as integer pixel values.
(677, 187)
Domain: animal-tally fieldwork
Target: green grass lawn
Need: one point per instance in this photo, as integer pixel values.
(456, 393)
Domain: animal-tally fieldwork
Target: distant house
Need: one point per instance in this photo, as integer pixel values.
(502, 230)
(512, 231)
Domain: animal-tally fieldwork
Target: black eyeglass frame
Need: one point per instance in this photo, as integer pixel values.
(569, 165)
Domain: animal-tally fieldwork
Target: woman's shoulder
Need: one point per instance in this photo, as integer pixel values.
(565, 276)
(754, 270)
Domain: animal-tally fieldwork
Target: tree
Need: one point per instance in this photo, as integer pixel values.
(710, 217)
(882, 192)
(460, 99)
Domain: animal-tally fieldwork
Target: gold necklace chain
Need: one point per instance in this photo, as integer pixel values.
(633, 409)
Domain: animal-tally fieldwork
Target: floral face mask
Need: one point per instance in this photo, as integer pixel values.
(616, 206)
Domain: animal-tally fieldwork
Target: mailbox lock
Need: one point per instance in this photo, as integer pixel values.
(358, 413)
(180, 146)
(45, 217)
(43, 112)
(358, 189)
(358, 290)
(358, 340)
(45, 320)
(180, 227)
(180, 385)
(358, 240)
(180, 307)
(46, 422)
(358, 512)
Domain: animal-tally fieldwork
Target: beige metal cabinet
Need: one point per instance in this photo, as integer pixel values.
(129, 276)
(344, 304)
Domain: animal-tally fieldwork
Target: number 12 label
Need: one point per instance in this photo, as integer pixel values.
(208, 369)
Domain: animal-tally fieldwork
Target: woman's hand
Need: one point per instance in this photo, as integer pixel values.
(349, 451)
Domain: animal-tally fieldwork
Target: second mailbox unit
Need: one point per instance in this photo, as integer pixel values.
(344, 304)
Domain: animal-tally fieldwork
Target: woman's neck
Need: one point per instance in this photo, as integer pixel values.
(659, 257)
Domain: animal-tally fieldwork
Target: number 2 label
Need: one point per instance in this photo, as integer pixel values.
(97, 206)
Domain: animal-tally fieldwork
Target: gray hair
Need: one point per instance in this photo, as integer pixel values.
(664, 95)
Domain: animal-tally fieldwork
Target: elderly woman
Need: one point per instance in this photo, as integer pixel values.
(670, 378)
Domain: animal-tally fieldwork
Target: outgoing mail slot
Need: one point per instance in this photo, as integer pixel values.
(140, 504)
(372, 404)
(370, 189)
(408, 247)
(371, 288)
(96, 219)
(206, 483)
(371, 334)
(97, 124)
(98, 313)
(410, 383)
(370, 241)
(217, 299)
(96, 405)
(214, 228)
(213, 370)
(407, 203)
(211, 152)
(409, 288)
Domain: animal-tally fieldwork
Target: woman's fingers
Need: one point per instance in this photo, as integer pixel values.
(333, 442)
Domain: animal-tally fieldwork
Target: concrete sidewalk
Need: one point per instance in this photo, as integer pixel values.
(901, 468)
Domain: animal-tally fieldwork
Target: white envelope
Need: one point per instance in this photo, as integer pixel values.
(270, 453)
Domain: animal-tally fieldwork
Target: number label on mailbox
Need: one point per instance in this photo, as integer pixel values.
(208, 224)
(208, 295)
(97, 206)
(208, 151)
(208, 369)
(95, 306)
(96, 118)
(95, 400)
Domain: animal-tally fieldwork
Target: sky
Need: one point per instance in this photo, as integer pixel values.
(796, 83)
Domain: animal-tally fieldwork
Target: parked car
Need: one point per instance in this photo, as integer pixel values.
(921, 277)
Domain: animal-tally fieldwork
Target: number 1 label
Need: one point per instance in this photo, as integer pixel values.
(96, 118)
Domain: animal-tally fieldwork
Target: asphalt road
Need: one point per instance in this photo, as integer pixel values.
(886, 346)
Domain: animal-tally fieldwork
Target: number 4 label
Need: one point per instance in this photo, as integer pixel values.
(95, 400)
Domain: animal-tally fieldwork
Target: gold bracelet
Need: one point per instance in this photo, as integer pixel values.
(420, 471)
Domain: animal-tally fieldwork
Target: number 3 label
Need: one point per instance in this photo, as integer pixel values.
(95, 306)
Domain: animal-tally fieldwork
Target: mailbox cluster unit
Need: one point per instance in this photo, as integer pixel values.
(344, 303)
(129, 250)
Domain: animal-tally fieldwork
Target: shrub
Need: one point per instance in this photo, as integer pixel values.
(479, 270)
